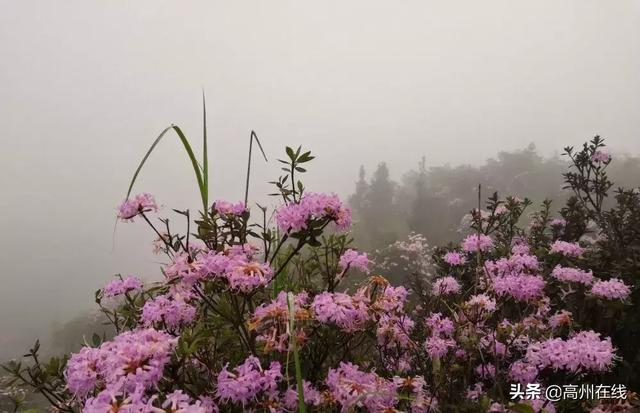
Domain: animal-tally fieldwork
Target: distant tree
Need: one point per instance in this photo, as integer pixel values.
(358, 199)
(431, 200)
(378, 220)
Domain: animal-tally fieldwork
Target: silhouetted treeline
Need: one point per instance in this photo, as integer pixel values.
(432, 200)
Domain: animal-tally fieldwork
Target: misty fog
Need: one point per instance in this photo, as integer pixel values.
(85, 87)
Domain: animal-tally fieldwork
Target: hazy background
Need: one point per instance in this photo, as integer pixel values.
(85, 86)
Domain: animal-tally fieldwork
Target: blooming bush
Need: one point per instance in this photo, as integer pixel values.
(257, 316)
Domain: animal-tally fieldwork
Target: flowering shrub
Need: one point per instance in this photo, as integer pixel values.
(251, 316)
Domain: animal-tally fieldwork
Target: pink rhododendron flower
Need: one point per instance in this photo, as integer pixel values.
(294, 217)
(247, 276)
(613, 289)
(600, 157)
(120, 286)
(394, 330)
(520, 248)
(475, 242)
(455, 258)
(183, 267)
(179, 402)
(523, 372)
(271, 321)
(516, 264)
(585, 351)
(561, 318)
(483, 302)
(438, 347)
(558, 222)
(500, 210)
(212, 264)
(247, 381)
(519, 287)
(491, 344)
(133, 359)
(568, 249)
(440, 325)
(352, 259)
(445, 286)
(172, 310)
(391, 300)
(312, 397)
(421, 400)
(352, 388)
(81, 373)
(229, 209)
(347, 312)
(235, 265)
(138, 204)
(572, 274)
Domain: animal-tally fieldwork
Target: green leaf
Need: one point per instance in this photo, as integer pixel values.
(194, 163)
(95, 340)
(290, 153)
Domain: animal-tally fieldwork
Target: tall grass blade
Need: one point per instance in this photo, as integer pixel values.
(187, 147)
(252, 137)
(302, 407)
(205, 155)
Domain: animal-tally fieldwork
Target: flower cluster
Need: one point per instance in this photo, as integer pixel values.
(295, 217)
(229, 209)
(132, 361)
(585, 351)
(475, 243)
(248, 381)
(121, 286)
(568, 249)
(138, 204)
(600, 157)
(352, 259)
(572, 275)
(236, 266)
(170, 310)
(349, 313)
(455, 258)
(613, 289)
(271, 321)
(446, 285)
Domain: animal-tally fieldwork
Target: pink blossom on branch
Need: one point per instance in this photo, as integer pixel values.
(172, 311)
(230, 209)
(572, 274)
(454, 258)
(613, 289)
(138, 204)
(600, 157)
(133, 359)
(347, 312)
(558, 223)
(121, 286)
(445, 286)
(568, 249)
(248, 381)
(352, 259)
(520, 287)
(583, 352)
(294, 217)
(475, 243)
